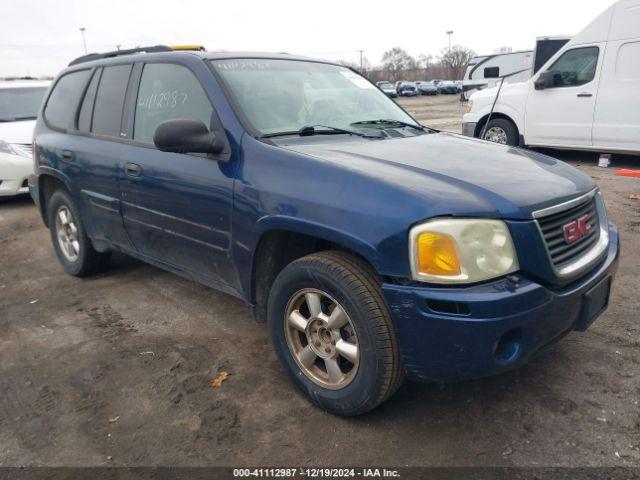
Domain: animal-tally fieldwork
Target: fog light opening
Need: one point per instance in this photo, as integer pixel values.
(508, 349)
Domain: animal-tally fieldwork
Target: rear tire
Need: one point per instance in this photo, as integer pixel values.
(502, 131)
(70, 241)
(306, 298)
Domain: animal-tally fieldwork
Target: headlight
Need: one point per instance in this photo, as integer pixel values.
(469, 106)
(461, 250)
(12, 149)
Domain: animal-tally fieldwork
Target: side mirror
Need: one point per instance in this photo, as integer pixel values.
(186, 135)
(544, 80)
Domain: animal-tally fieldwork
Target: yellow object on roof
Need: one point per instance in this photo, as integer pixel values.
(198, 48)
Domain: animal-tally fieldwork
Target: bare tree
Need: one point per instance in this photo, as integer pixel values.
(396, 60)
(366, 65)
(456, 60)
(424, 61)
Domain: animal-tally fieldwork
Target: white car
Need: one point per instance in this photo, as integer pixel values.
(19, 105)
(585, 97)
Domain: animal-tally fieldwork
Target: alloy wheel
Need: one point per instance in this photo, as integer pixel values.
(321, 338)
(67, 233)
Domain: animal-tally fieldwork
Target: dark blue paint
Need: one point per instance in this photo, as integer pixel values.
(439, 347)
(204, 219)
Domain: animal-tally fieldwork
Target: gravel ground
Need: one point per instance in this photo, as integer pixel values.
(116, 370)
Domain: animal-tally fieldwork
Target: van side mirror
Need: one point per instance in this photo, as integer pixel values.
(186, 135)
(544, 80)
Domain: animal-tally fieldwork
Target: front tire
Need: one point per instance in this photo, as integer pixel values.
(502, 131)
(332, 331)
(73, 248)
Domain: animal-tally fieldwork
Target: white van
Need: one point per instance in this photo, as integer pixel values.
(586, 97)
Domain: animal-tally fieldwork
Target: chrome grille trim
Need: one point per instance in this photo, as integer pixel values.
(590, 251)
(545, 212)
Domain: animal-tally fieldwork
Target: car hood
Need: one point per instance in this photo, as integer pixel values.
(456, 175)
(487, 95)
(17, 132)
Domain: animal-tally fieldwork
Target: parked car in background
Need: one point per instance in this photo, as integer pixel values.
(427, 88)
(458, 85)
(407, 89)
(375, 248)
(388, 89)
(586, 96)
(19, 104)
(447, 87)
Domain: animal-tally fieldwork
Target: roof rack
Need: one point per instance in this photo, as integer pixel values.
(116, 53)
(193, 48)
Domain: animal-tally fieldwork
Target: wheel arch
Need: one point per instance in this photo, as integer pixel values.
(49, 181)
(283, 240)
(483, 121)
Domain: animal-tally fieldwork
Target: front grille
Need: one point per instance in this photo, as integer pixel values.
(552, 227)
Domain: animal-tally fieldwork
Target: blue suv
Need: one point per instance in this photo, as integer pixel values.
(375, 248)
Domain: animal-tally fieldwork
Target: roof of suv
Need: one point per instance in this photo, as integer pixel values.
(137, 56)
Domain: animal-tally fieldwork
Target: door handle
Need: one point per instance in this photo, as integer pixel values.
(132, 169)
(67, 156)
(585, 95)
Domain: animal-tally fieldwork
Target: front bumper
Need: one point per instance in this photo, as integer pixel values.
(448, 334)
(13, 187)
(14, 170)
(469, 129)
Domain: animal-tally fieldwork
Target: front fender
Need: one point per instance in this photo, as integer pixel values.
(504, 111)
(318, 230)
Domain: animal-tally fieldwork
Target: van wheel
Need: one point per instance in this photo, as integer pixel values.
(332, 331)
(70, 241)
(501, 130)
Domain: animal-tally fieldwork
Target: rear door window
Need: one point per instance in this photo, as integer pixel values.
(107, 111)
(63, 101)
(168, 91)
(627, 65)
(86, 109)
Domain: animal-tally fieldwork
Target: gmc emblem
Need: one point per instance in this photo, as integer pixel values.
(577, 229)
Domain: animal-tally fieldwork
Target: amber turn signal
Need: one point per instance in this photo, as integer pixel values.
(437, 254)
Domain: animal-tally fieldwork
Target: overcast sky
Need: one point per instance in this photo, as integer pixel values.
(40, 37)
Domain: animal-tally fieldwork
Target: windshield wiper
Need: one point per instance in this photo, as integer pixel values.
(309, 130)
(386, 121)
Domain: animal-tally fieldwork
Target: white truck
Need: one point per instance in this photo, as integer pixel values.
(585, 97)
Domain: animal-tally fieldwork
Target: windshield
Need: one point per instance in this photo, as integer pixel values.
(286, 95)
(20, 103)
